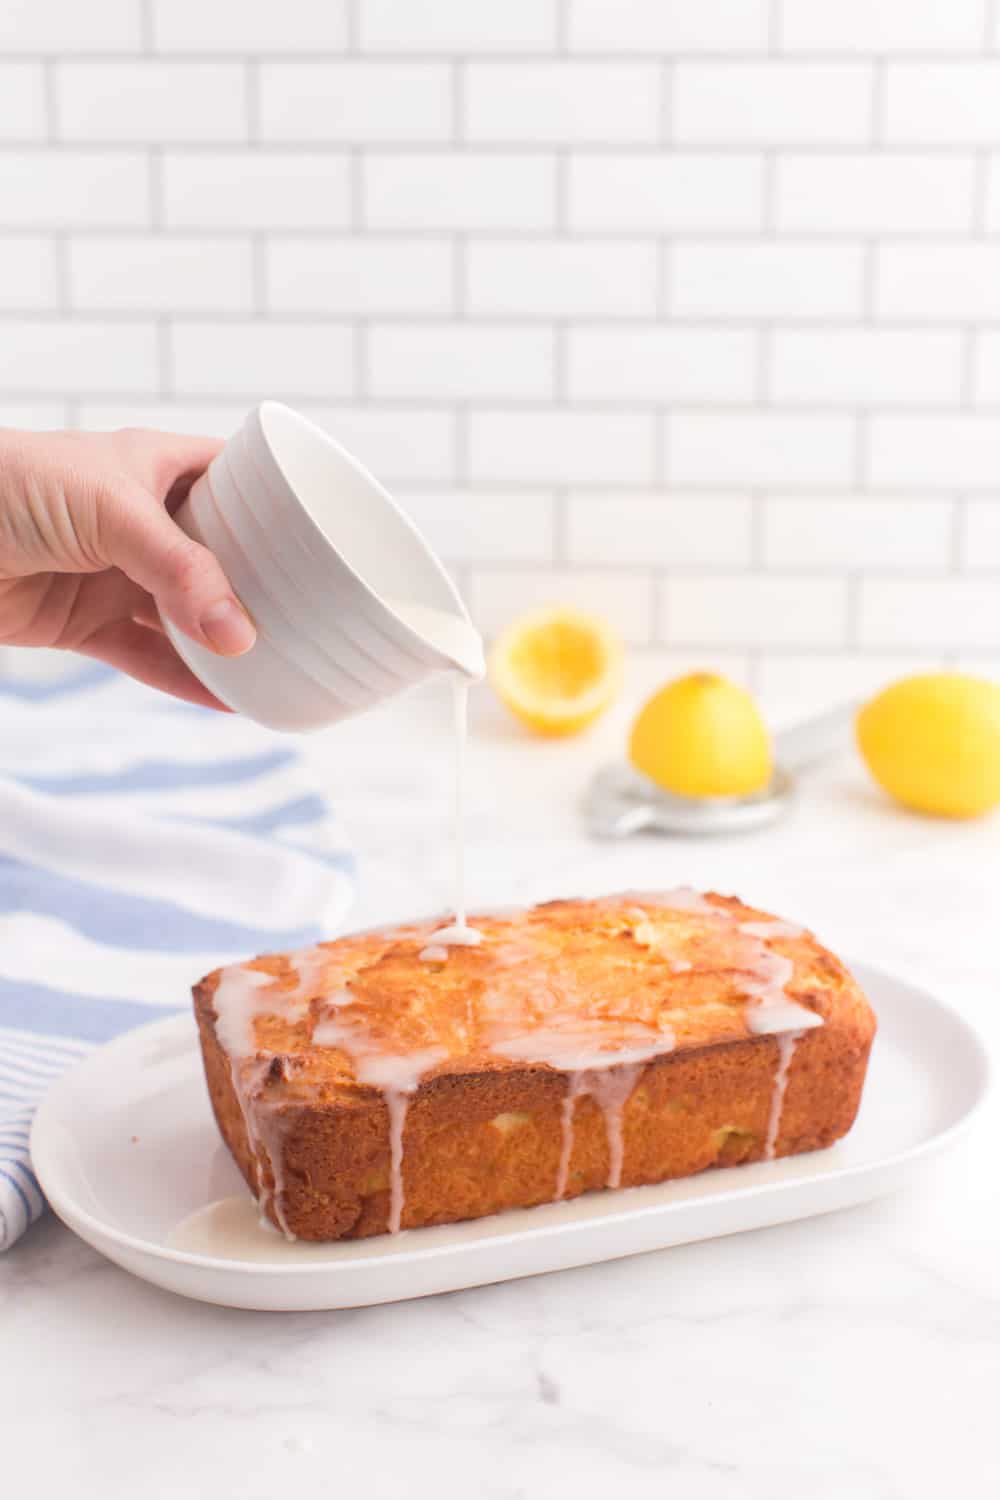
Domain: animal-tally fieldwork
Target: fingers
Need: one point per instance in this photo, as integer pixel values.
(184, 578)
(149, 658)
(168, 462)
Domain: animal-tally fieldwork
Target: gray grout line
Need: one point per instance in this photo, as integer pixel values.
(734, 239)
(51, 103)
(147, 26)
(252, 77)
(735, 149)
(877, 123)
(459, 81)
(529, 321)
(388, 56)
(353, 18)
(775, 28)
(667, 96)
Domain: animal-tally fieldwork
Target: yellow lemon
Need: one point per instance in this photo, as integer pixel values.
(702, 736)
(933, 742)
(556, 669)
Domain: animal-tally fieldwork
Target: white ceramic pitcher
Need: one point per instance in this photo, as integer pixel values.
(343, 589)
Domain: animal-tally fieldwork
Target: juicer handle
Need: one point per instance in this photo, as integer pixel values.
(826, 734)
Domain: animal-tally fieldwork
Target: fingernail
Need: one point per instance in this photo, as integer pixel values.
(228, 628)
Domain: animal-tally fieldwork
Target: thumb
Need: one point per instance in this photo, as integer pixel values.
(185, 579)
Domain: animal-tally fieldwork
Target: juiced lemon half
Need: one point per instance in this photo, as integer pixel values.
(702, 736)
(557, 669)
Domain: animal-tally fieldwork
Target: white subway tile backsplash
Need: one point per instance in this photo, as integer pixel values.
(668, 26)
(78, 189)
(784, 279)
(126, 102)
(561, 447)
(944, 452)
(256, 190)
(866, 366)
(400, 447)
(58, 26)
(33, 415)
(940, 283)
(878, 193)
(460, 362)
(659, 529)
(781, 103)
(804, 683)
(934, 103)
(666, 309)
(661, 364)
(857, 531)
(262, 359)
(733, 610)
(561, 278)
(662, 193)
(22, 102)
(505, 526)
(211, 418)
(463, 190)
(457, 26)
(882, 25)
(929, 612)
(129, 273)
(43, 357)
(28, 281)
(980, 533)
(358, 277)
(249, 25)
(563, 103)
(355, 101)
(759, 449)
(625, 602)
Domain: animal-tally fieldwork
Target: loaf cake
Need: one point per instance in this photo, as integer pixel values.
(382, 1081)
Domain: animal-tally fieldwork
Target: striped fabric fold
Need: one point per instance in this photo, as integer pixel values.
(142, 843)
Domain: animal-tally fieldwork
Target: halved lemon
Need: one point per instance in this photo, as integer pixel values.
(557, 669)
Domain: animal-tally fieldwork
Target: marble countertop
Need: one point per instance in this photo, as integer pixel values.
(852, 1357)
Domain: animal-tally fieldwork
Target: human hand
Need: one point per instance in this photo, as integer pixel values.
(88, 550)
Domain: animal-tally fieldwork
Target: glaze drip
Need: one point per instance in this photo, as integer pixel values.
(787, 1044)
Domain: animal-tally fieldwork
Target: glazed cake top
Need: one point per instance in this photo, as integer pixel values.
(571, 985)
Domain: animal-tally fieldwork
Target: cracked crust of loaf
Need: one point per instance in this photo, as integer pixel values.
(484, 1134)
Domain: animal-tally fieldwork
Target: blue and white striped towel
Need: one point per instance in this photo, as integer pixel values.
(142, 842)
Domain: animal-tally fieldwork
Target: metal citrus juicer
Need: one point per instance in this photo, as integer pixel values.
(621, 801)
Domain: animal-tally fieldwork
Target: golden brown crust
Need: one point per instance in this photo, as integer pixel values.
(483, 1132)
